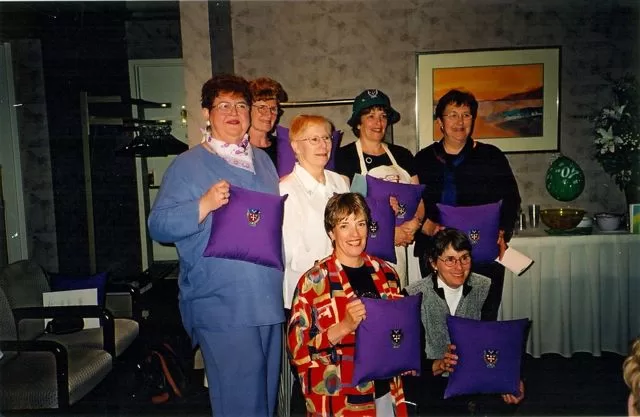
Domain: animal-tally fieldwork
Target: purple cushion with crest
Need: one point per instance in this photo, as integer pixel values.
(408, 196)
(380, 240)
(287, 159)
(489, 356)
(60, 282)
(248, 228)
(481, 224)
(388, 340)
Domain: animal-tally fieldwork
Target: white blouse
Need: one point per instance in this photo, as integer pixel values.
(305, 240)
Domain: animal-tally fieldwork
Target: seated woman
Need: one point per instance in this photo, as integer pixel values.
(450, 290)
(326, 311)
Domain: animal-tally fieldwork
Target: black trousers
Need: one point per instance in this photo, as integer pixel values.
(427, 391)
(495, 272)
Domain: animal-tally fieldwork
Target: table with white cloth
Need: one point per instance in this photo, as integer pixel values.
(582, 293)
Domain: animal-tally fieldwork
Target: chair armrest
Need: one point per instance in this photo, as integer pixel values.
(105, 316)
(61, 357)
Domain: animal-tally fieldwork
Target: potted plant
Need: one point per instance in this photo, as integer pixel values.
(617, 142)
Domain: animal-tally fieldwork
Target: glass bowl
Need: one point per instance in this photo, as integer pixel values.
(561, 218)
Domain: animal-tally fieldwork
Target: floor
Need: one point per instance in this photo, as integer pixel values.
(555, 386)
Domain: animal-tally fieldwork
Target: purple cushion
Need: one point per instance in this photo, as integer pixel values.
(489, 356)
(408, 196)
(381, 230)
(480, 223)
(388, 341)
(287, 159)
(60, 282)
(248, 228)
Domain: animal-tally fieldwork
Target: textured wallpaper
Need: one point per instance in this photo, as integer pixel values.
(334, 49)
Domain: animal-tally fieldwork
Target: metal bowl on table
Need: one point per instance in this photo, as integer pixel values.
(562, 218)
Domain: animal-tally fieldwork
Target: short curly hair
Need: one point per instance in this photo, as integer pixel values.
(224, 83)
(265, 88)
(631, 373)
(459, 98)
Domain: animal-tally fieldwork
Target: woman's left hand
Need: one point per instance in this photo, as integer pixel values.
(409, 373)
(512, 399)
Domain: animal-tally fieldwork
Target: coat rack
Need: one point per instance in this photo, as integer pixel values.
(150, 138)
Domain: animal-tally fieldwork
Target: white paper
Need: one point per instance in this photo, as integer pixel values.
(515, 261)
(88, 297)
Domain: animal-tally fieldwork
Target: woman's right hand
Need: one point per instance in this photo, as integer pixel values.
(214, 198)
(354, 314)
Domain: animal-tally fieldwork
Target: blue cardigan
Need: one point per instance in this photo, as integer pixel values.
(215, 293)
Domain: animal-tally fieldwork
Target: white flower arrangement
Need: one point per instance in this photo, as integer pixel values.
(617, 129)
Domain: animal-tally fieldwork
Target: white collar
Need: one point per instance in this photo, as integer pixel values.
(310, 184)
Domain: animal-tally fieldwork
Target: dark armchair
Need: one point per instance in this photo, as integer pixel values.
(38, 374)
(24, 282)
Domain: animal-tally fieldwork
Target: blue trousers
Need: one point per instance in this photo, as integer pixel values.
(243, 368)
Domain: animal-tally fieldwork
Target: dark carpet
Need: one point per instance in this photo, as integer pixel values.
(583, 385)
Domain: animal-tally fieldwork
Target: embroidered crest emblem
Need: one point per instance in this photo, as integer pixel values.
(402, 210)
(474, 236)
(372, 93)
(373, 228)
(396, 337)
(253, 216)
(490, 357)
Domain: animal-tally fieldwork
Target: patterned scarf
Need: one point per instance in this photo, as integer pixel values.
(240, 155)
(449, 191)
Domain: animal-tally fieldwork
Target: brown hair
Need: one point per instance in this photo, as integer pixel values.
(264, 88)
(341, 206)
(224, 83)
(301, 122)
(631, 373)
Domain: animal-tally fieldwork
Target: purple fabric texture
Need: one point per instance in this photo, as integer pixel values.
(380, 239)
(489, 356)
(408, 196)
(60, 282)
(286, 158)
(480, 223)
(248, 228)
(388, 341)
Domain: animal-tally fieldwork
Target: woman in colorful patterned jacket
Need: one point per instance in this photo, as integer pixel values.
(326, 311)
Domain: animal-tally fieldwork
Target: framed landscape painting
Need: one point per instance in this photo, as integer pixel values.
(518, 94)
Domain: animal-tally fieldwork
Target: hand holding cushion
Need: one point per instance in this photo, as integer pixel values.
(214, 198)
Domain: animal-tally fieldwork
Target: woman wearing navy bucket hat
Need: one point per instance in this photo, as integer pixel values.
(370, 155)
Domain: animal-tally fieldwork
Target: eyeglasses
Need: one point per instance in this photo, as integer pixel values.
(451, 261)
(457, 116)
(225, 107)
(264, 109)
(315, 141)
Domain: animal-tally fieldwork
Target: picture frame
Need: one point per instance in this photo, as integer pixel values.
(518, 92)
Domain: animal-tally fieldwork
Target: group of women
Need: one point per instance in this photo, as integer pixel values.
(234, 309)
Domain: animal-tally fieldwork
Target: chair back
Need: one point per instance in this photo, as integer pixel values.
(23, 283)
(7, 326)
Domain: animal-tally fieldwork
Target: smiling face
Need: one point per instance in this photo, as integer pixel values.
(456, 124)
(350, 237)
(454, 276)
(229, 127)
(263, 115)
(373, 125)
(312, 155)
